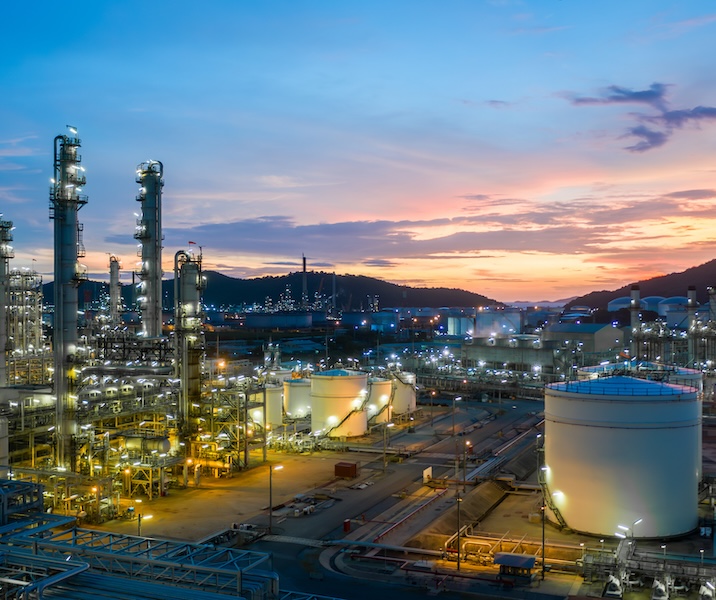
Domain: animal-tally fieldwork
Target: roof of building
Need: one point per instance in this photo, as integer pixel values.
(577, 327)
(510, 559)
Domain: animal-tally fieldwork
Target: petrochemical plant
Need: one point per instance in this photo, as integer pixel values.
(108, 411)
(119, 410)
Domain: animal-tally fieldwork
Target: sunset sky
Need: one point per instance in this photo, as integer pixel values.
(524, 150)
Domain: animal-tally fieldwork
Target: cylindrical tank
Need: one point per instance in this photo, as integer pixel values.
(380, 391)
(404, 399)
(338, 399)
(274, 406)
(620, 450)
(297, 398)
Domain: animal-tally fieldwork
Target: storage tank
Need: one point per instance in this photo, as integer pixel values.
(297, 398)
(620, 450)
(380, 391)
(274, 406)
(404, 398)
(338, 399)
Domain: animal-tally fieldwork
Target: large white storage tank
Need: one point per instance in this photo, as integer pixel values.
(620, 450)
(380, 392)
(405, 398)
(297, 398)
(338, 399)
(274, 406)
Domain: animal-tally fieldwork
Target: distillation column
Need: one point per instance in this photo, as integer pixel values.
(65, 202)
(188, 285)
(115, 291)
(149, 233)
(634, 307)
(6, 253)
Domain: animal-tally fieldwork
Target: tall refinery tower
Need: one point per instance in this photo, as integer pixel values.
(65, 201)
(149, 233)
(6, 253)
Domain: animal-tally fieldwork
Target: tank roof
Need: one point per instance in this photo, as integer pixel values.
(622, 386)
(337, 373)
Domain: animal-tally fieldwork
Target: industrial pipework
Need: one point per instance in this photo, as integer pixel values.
(149, 233)
(6, 253)
(188, 285)
(65, 201)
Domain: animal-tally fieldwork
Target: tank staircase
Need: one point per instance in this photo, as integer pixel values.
(546, 494)
(344, 419)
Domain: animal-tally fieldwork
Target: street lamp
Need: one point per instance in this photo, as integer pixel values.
(454, 398)
(702, 559)
(271, 470)
(464, 464)
(139, 522)
(458, 500)
(385, 444)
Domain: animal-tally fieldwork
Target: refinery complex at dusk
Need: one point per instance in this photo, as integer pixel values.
(470, 449)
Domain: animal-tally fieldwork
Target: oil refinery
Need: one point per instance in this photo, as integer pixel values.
(591, 426)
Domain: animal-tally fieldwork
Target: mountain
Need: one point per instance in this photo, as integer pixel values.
(353, 292)
(675, 284)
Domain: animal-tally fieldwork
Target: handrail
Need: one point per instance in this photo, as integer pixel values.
(410, 515)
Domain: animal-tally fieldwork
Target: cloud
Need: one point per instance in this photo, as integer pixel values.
(380, 262)
(667, 120)
(614, 94)
(679, 118)
(498, 104)
(650, 138)
(693, 194)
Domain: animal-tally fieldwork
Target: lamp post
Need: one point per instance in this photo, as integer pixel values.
(544, 510)
(458, 500)
(453, 412)
(663, 547)
(385, 444)
(432, 397)
(270, 508)
(139, 523)
(464, 464)
(702, 559)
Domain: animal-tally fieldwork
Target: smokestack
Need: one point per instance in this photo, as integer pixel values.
(304, 296)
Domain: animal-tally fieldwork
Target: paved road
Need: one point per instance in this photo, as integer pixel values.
(193, 513)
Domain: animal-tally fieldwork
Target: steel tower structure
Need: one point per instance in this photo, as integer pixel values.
(65, 201)
(149, 233)
(115, 291)
(188, 285)
(6, 253)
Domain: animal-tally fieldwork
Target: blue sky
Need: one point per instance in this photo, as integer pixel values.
(522, 150)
